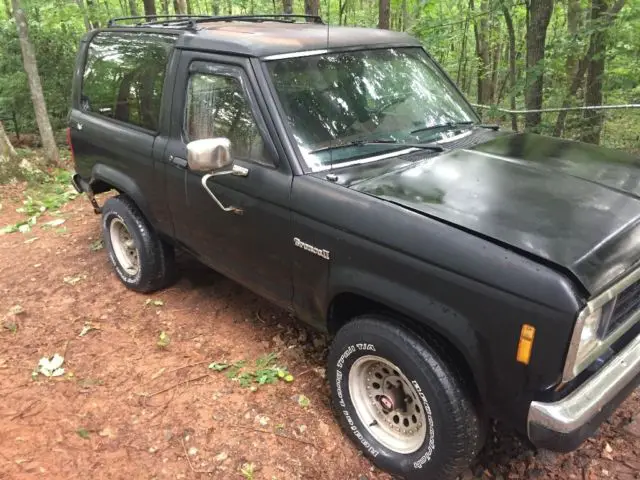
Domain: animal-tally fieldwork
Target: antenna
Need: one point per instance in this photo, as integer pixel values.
(328, 3)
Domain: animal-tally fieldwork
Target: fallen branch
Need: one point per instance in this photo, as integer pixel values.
(186, 454)
(187, 366)
(25, 410)
(269, 432)
(149, 395)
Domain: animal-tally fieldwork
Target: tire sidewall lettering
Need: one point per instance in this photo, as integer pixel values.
(349, 354)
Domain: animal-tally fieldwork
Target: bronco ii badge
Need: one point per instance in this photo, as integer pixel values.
(310, 248)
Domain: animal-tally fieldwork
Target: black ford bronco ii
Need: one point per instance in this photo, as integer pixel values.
(466, 273)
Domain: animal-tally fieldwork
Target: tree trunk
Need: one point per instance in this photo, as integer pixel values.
(188, 7)
(512, 64)
(7, 152)
(149, 9)
(463, 50)
(495, 68)
(404, 17)
(311, 7)
(384, 10)
(573, 25)
(583, 64)
(287, 7)
(7, 8)
(133, 8)
(215, 7)
(342, 6)
(595, 71)
(482, 52)
(85, 15)
(181, 7)
(165, 7)
(33, 78)
(539, 14)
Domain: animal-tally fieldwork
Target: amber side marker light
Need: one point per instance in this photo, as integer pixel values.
(525, 345)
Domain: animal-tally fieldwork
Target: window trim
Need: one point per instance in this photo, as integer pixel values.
(123, 34)
(236, 72)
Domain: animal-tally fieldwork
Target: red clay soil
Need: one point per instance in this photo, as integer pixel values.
(127, 408)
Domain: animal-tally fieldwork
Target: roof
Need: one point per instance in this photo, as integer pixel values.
(265, 39)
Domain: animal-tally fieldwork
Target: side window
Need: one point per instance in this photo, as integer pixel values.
(124, 75)
(217, 107)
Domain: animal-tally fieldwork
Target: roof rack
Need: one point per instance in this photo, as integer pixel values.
(190, 21)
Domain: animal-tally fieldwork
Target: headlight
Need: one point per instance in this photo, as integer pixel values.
(584, 344)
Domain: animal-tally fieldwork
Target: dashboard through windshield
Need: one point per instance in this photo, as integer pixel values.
(336, 103)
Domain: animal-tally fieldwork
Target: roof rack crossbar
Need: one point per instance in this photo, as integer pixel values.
(192, 20)
(114, 22)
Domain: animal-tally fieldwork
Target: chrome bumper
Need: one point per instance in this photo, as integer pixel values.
(566, 419)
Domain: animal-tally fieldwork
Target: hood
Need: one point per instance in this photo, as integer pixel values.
(572, 204)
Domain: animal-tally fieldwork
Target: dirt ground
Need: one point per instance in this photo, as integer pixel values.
(127, 408)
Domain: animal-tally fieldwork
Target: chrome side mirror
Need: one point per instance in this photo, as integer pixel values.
(209, 155)
(212, 155)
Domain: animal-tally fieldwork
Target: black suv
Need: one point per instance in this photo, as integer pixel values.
(466, 273)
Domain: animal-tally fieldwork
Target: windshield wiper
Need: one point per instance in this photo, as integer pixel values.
(454, 125)
(361, 143)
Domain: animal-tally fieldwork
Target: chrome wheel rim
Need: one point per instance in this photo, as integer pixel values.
(124, 247)
(387, 404)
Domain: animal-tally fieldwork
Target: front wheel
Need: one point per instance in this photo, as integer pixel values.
(141, 259)
(401, 402)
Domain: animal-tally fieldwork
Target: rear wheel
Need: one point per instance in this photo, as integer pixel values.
(401, 401)
(141, 259)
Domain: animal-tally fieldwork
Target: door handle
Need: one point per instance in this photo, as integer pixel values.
(178, 161)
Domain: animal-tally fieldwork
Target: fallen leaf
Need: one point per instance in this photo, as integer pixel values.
(222, 456)
(106, 432)
(16, 310)
(51, 367)
(303, 401)
(54, 223)
(163, 340)
(86, 329)
(83, 433)
(74, 280)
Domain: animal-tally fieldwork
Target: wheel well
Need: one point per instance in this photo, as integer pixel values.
(100, 186)
(347, 306)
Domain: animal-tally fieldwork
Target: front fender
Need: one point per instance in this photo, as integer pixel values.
(418, 307)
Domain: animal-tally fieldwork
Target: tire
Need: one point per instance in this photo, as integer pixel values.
(141, 259)
(439, 429)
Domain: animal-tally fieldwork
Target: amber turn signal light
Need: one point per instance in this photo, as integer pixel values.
(525, 345)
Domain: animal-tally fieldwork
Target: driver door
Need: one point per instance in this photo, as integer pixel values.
(252, 244)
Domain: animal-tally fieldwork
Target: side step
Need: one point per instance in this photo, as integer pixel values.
(82, 186)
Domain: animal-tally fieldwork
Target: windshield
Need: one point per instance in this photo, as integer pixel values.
(336, 102)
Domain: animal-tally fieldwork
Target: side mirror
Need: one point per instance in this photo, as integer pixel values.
(209, 155)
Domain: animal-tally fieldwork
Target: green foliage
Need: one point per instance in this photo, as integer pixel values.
(264, 371)
(445, 28)
(55, 29)
(47, 192)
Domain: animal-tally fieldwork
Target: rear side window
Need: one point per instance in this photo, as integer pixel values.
(124, 75)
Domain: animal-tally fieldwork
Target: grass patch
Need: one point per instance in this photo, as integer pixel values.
(265, 371)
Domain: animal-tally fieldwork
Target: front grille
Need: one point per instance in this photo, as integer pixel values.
(627, 302)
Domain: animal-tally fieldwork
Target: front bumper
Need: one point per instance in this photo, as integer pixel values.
(563, 425)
